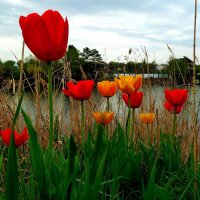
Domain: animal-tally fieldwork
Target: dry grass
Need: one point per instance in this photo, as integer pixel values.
(68, 113)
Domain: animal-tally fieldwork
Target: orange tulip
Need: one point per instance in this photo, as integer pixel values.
(107, 88)
(103, 118)
(129, 84)
(147, 118)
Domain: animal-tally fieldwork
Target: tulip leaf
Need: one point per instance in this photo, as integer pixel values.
(36, 156)
(1, 160)
(99, 176)
(69, 166)
(12, 182)
(17, 111)
(150, 191)
(56, 177)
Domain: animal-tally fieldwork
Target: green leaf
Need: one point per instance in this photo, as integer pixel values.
(12, 182)
(150, 191)
(98, 178)
(72, 154)
(17, 112)
(186, 189)
(24, 189)
(36, 157)
(70, 168)
(162, 193)
(1, 161)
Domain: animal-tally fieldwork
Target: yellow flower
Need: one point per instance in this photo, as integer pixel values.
(103, 117)
(107, 88)
(129, 84)
(147, 118)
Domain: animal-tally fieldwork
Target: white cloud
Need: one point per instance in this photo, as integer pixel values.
(13, 2)
(11, 48)
(112, 25)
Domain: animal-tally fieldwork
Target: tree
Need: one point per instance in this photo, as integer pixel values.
(72, 54)
(10, 70)
(91, 55)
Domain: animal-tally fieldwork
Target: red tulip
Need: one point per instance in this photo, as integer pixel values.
(176, 97)
(46, 36)
(19, 138)
(135, 99)
(81, 91)
(173, 109)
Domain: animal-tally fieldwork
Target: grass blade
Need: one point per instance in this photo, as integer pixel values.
(12, 182)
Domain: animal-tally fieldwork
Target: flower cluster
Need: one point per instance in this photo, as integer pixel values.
(47, 37)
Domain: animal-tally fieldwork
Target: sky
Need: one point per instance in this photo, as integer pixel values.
(110, 26)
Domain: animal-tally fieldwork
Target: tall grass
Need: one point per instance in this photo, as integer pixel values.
(156, 165)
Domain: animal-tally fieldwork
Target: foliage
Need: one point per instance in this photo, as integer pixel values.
(180, 70)
(9, 70)
(91, 55)
(103, 168)
(72, 54)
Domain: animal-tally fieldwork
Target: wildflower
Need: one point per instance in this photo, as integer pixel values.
(135, 100)
(19, 138)
(46, 36)
(103, 118)
(173, 109)
(129, 84)
(147, 118)
(107, 88)
(81, 91)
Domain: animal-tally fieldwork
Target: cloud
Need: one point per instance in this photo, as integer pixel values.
(113, 25)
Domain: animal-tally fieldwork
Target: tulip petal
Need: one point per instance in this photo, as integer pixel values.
(147, 118)
(57, 28)
(103, 118)
(135, 99)
(168, 96)
(36, 36)
(81, 91)
(21, 138)
(173, 109)
(46, 36)
(5, 134)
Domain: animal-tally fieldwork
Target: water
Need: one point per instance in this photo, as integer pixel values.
(153, 100)
(143, 75)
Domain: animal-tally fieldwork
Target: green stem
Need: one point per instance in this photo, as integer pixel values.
(133, 120)
(82, 122)
(128, 117)
(50, 99)
(148, 134)
(108, 104)
(174, 123)
(174, 129)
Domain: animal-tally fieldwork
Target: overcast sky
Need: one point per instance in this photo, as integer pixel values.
(110, 26)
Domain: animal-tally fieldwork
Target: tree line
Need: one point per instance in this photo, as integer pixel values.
(89, 63)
